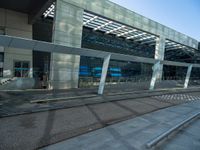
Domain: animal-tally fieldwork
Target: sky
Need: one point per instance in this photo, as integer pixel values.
(181, 15)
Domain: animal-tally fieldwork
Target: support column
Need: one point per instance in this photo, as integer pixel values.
(104, 74)
(156, 71)
(187, 79)
(67, 31)
(160, 54)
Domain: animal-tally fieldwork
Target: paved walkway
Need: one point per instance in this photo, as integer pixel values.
(133, 134)
(18, 102)
(63, 120)
(35, 130)
(187, 139)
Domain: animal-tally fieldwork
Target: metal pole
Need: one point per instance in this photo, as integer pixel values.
(156, 69)
(104, 74)
(187, 79)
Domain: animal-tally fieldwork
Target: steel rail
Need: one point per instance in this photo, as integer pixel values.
(165, 134)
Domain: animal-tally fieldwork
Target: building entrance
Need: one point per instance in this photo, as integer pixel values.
(41, 68)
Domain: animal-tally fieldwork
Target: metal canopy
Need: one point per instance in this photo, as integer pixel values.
(50, 11)
(172, 45)
(179, 52)
(120, 30)
(99, 23)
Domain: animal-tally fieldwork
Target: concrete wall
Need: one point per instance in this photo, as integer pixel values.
(116, 12)
(67, 31)
(15, 24)
(160, 54)
(18, 84)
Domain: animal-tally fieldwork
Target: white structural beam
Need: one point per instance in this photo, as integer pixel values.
(171, 46)
(127, 32)
(149, 42)
(137, 35)
(174, 48)
(50, 11)
(155, 74)
(29, 44)
(160, 54)
(187, 79)
(116, 29)
(103, 25)
(104, 74)
(145, 38)
(90, 20)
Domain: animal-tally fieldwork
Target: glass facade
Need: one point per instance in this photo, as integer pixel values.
(1, 55)
(21, 68)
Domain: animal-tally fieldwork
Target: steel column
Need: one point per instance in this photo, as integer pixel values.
(156, 69)
(187, 79)
(104, 74)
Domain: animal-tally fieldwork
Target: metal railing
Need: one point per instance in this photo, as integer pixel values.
(165, 134)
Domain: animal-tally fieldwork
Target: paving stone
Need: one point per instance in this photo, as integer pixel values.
(109, 111)
(141, 130)
(181, 110)
(154, 102)
(31, 131)
(19, 102)
(139, 140)
(182, 141)
(137, 106)
(163, 116)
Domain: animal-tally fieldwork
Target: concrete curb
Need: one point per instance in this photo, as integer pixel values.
(165, 134)
(145, 93)
(81, 100)
(61, 98)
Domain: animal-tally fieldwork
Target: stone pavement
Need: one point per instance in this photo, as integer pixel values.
(14, 102)
(187, 138)
(18, 102)
(134, 134)
(31, 131)
(65, 119)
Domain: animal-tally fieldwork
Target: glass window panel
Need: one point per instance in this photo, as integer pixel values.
(21, 69)
(1, 72)
(17, 64)
(17, 73)
(1, 57)
(24, 73)
(25, 65)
